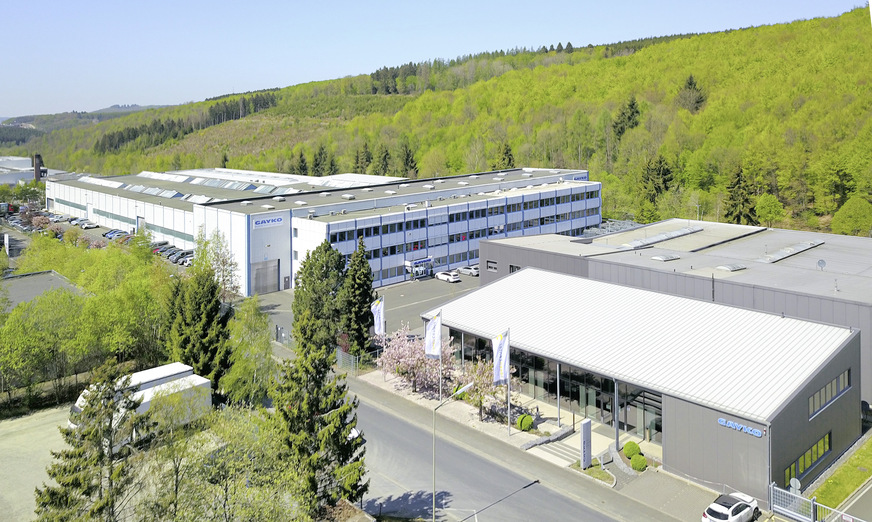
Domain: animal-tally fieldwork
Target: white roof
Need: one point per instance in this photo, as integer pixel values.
(738, 361)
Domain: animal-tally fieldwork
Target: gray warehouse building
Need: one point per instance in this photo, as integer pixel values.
(731, 396)
(801, 274)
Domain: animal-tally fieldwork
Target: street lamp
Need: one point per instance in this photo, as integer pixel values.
(443, 403)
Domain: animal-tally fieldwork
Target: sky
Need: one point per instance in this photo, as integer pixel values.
(61, 56)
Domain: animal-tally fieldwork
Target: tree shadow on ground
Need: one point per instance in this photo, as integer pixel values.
(412, 504)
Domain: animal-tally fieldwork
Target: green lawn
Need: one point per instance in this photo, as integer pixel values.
(594, 471)
(847, 479)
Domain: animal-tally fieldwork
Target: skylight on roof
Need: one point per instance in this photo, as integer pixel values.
(789, 251)
(672, 234)
(733, 267)
(666, 257)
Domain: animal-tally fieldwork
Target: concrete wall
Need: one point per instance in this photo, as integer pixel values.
(795, 433)
(697, 446)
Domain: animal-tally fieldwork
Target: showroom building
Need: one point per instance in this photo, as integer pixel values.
(732, 397)
(801, 274)
(410, 228)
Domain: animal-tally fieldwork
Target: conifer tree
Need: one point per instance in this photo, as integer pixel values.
(657, 178)
(355, 298)
(319, 162)
(628, 118)
(407, 166)
(94, 474)
(505, 159)
(316, 289)
(739, 206)
(301, 167)
(382, 162)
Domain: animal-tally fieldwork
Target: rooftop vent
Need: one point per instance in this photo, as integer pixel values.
(366, 189)
(439, 181)
(301, 202)
(665, 257)
(733, 267)
(343, 212)
(499, 178)
(463, 183)
(474, 176)
(391, 192)
(278, 198)
(246, 203)
(268, 207)
(324, 194)
(348, 196)
(526, 174)
(410, 206)
(429, 187)
(404, 185)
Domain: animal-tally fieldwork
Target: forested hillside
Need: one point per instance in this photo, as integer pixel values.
(724, 124)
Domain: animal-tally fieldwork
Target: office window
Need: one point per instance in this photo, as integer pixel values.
(513, 268)
(807, 460)
(830, 392)
(295, 232)
(491, 266)
(295, 255)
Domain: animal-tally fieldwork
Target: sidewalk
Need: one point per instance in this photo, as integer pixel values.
(667, 496)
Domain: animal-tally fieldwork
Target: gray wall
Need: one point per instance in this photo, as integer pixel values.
(795, 432)
(696, 446)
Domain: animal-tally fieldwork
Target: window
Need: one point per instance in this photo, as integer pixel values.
(295, 253)
(295, 232)
(830, 392)
(513, 268)
(491, 266)
(807, 460)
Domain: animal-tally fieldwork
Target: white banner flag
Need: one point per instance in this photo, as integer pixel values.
(378, 315)
(501, 358)
(433, 337)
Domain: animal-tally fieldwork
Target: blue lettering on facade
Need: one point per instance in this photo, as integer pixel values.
(740, 427)
(267, 222)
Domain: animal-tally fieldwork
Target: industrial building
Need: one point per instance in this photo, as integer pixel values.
(801, 274)
(731, 398)
(270, 221)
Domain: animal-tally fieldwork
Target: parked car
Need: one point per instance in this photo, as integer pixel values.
(76, 221)
(168, 253)
(469, 270)
(735, 507)
(449, 277)
(162, 249)
(109, 233)
(156, 244)
(189, 260)
(181, 253)
(184, 258)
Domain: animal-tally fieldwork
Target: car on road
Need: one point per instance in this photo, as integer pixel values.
(448, 277)
(734, 507)
(87, 224)
(469, 270)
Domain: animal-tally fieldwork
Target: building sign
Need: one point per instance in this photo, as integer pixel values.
(740, 427)
(585, 444)
(266, 222)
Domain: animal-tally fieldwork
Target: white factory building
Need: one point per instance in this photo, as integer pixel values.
(270, 221)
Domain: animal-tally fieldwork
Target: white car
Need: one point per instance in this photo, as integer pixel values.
(469, 270)
(87, 224)
(450, 277)
(735, 507)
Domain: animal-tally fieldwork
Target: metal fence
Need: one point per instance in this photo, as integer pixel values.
(353, 365)
(803, 509)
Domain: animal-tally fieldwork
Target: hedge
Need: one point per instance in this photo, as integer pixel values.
(631, 449)
(639, 463)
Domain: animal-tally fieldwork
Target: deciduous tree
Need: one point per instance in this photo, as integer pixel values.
(252, 367)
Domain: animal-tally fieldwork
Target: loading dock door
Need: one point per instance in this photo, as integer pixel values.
(265, 277)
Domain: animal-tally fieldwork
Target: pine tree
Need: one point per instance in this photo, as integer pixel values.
(628, 118)
(407, 167)
(319, 162)
(95, 474)
(382, 162)
(302, 167)
(332, 167)
(506, 159)
(198, 335)
(316, 289)
(362, 159)
(559, 47)
(739, 206)
(569, 47)
(691, 97)
(657, 178)
(355, 299)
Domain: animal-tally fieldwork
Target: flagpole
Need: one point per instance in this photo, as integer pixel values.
(509, 386)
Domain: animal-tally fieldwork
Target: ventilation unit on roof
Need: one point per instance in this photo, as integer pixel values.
(343, 212)
(733, 267)
(665, 257)
(246, 203)
(474, 176)
(439, 181)
(300, 202)
(463, 183)
(499, 178)
(410, 206)
(310, 216)
(441, 198)
(404, 185)
(278, 198)
(366, 189)
(526, 174)
(429, 187)
(348, 196)
(268, 207)
(324, 194)
(391, 192)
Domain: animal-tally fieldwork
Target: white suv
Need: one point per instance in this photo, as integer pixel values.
(735, 507)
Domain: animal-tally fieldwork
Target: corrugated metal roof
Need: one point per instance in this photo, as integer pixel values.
(739, 361)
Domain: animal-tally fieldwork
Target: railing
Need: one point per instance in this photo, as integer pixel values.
(797, 507)
(353, 365)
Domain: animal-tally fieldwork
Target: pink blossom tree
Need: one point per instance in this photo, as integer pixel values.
(403, 355)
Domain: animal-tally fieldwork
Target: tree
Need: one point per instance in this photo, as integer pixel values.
(382, 163)
(216, 253)
(569, 47)
(854, 218)
(319, 163)
(691, 97)
(316, 290)
(647, 212)
(362, 159)
(198, 335)
(407, 166)
(316, 416)
(300, 167)
(403, 355)
(769, 209)
(94, 475)
(479, 373)
(657, 178)
(355, 299)
(739, 209)
(627, 118)
(505, 158)
(252, 367)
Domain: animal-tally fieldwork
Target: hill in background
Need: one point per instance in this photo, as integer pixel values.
(710, 124)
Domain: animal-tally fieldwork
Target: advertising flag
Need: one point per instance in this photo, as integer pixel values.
(378, 315)
(501, 358)
(433, 337)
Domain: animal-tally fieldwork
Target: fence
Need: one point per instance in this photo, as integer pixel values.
(803, 509)
(353, 364)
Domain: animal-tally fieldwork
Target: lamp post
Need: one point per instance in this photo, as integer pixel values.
(443, 403)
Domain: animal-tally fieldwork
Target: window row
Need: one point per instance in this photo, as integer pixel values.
(808, 459)
(829, 393)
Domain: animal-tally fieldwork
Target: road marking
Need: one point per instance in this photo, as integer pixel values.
(440, 297)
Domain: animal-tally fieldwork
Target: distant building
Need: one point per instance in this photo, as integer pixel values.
(271, 221)
(15, 170)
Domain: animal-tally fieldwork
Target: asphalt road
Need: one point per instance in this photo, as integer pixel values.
(469, 487)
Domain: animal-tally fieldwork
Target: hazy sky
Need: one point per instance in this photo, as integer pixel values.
(61, 55)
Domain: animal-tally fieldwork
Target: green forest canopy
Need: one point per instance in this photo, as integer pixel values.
(788, 104)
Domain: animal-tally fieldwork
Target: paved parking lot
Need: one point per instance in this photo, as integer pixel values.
(25, 451)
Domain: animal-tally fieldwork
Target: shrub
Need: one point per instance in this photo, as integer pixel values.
(460, 396)
(639, 463)
(525, 422)
(631, 449)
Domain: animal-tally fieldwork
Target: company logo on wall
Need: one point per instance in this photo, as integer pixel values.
(266, 222)
(740, 427)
